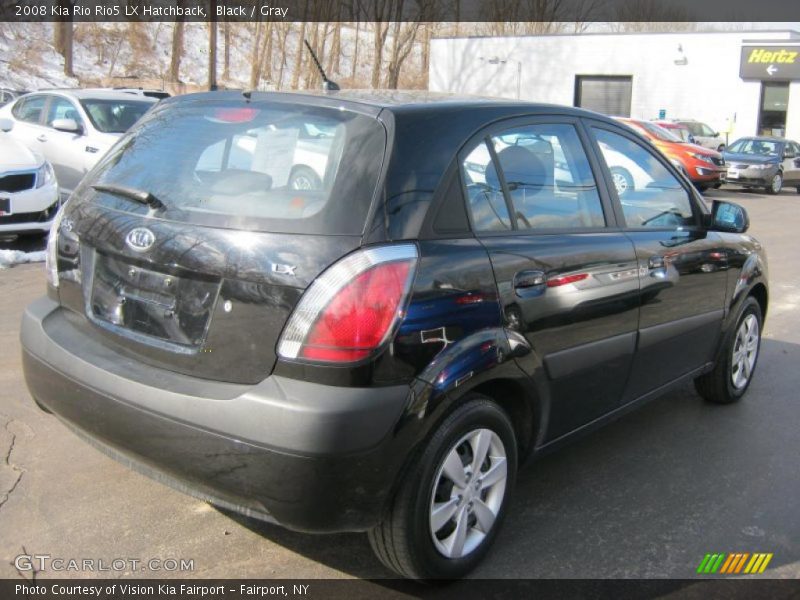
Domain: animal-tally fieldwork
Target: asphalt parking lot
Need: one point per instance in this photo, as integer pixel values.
(647, 496)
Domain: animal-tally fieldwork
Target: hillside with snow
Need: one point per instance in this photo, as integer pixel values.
(140, 54)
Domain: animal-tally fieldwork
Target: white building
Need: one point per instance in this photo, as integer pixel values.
(648, 76)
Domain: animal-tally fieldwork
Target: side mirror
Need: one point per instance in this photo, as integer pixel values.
(730, 217)
(6, 125)
(68, 125)
(715, 134)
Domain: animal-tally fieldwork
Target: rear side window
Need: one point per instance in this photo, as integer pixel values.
(29, 109)
(549, 183)
(267, 166)
(549, 179)
(485, 199)
(649, 194)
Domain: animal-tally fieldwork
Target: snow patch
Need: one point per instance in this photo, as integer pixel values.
(9, 258)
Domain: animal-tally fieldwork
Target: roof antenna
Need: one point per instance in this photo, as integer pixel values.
(327, 84)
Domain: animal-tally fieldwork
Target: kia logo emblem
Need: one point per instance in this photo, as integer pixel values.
(140, 239)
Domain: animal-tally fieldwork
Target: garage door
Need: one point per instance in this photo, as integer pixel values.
(610, 95)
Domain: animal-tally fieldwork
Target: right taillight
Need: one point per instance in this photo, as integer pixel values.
(352, 309)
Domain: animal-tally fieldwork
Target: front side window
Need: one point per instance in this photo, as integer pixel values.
(114, 116)
(657, 131)
(756, 147)
(30, 109)
(61, 108)
(707, 131)
(650, 195)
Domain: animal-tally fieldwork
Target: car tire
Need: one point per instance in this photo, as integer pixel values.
(798, 189)
(304, 178)
(721, 147)
(777, 184)
(717, 186)
(701, 187)
(408, 541)
(736, 365)
(623, 181)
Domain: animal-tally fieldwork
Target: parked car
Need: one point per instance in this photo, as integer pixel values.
(765, 162)
(678, 130)
(381, 353)
(705, 168)
(72, 129)
(703, 134)
(7, 95)
(28, 190)
(157, 94)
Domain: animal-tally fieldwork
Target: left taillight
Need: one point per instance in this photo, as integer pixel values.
(353, 308)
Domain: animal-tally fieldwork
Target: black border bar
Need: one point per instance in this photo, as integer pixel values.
(574, 11)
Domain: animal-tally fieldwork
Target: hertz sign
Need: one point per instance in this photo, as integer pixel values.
(779, 63)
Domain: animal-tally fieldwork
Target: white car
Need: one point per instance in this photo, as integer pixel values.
(28, 189)
(72, 129)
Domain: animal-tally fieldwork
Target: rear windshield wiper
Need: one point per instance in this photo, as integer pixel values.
(130, 193)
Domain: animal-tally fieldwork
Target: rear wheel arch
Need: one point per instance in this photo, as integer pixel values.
(521, 409)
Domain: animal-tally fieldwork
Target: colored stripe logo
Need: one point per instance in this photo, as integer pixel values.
(735, 563)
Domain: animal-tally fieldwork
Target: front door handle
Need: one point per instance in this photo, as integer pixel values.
(42, 138)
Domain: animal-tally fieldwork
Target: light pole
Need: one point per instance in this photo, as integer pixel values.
(496, 60)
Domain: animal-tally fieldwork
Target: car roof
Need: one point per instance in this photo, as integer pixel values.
(764, 138)
(669, 124)
(95, 94)
(396, 101)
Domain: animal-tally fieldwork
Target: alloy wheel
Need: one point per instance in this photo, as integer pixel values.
(777, 183)
(468, 493)
(745, 351)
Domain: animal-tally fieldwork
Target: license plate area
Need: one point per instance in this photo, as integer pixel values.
(5, 206)
(150, 304)
(733, 173)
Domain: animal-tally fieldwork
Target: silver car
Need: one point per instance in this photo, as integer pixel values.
(72, 129)
(703, 134)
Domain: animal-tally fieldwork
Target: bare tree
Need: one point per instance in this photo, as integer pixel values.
(226, 64)
(177, 50)
(63, 33)
(298, 57)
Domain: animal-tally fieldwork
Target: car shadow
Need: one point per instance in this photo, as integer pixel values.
(644, 497)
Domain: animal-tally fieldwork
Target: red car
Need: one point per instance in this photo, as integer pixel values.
(705, 168)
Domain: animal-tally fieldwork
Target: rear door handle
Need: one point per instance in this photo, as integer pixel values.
(42, 138)
(528, 279)
(655, 262)
(530, 283)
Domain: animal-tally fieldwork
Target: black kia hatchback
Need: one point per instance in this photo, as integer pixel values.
(361, 311)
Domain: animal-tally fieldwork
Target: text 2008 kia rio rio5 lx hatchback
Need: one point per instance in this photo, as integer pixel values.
(377, 348)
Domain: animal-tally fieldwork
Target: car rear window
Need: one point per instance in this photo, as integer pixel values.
(266, 166)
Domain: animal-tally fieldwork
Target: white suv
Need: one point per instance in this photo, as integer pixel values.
(72, 129)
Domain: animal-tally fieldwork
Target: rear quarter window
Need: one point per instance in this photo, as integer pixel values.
(278, 167)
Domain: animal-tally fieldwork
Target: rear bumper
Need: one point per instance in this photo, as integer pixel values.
(307, 456)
